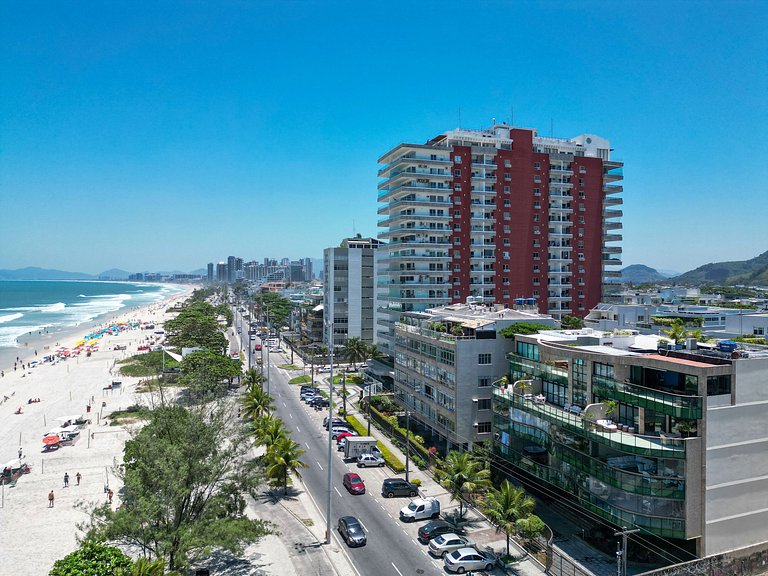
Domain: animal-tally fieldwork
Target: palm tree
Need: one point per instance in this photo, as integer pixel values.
(253, 378)
(677, 331)
(145, 567)
(463, 476)
(256, 402)
(267, 430)
(282, 458)
(504, 507)
(355, 350)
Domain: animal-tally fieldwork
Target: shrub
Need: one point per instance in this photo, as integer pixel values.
(416, 481)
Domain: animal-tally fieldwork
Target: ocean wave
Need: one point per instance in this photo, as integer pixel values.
(58, 307)
(10, 317)
(82, 296)
(8, 335)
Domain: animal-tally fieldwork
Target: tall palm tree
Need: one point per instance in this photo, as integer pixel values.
(267, 430)
(355, 350)
(282, 458)
(256, 402)
(504, 507)
(463, 476)
(677, 331)
(253, 378)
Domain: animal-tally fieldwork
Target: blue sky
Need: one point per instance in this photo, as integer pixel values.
(164, 135)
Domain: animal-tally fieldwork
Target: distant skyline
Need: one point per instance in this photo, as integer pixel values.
(184, 132)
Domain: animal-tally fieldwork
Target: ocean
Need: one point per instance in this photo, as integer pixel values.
(36, 308)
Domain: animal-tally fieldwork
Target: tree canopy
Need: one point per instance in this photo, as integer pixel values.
(524, 328)
(276, 306)
(196, 327)
(184, 477)
(92, 558)
(205, 373)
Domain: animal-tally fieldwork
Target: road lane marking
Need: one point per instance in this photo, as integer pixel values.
(307, 445)
(318, 463)
(290, 415)
(396, 570)
(298, 429)
(284, 404)
(339, 493)
(364, 526)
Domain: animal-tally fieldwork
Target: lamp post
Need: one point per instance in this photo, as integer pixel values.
(407, 440)
(369, 408)
(330, 439)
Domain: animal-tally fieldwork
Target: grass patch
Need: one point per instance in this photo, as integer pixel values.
(153, 384)
(146, 364)
(351, 379)
(300, 380)
(391, 460)
(130, 415)
(289, 367)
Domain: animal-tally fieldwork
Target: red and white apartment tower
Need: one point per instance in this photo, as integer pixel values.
(496, 215)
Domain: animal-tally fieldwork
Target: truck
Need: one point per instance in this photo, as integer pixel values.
(356, 445)
(421, 509)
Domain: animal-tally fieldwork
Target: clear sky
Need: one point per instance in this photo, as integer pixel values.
(167, 134)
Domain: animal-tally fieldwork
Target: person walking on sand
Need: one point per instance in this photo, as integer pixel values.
(66, 479)
(110, 494)
(21, 452)
(77, 477)
(50, 499)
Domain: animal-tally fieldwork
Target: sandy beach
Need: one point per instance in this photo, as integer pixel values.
(34, 535)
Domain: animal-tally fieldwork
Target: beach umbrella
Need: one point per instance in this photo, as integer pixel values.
(51, 440)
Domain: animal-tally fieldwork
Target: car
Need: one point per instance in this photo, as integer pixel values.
(257, 347)
(307, 388)
(446, 543)
(338, 423)
(352, 531)
(353, 483)
(392, 487)
(307, 396)
(343, 435)
(341, 444)
(368, 460)
(335, 431)
(335, 421)
(320, 401)
(465, 559)
(433, 529)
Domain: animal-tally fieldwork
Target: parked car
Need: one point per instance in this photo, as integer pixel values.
(335, 421)
(398, 487)
(339, 424)
(465, 559)
(341, 436)
(341, 430)
(433, 529)
(353, 483)
(420, 509)
(368, 460)
(320, 401)
(257, 347)
(352, 531)
(445, 543)
(341, 444)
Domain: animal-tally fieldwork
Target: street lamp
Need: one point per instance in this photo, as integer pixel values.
(330, 438)
(407, 439)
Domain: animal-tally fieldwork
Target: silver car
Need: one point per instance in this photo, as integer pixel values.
(365, 460)
(465, 559)
(445, 543)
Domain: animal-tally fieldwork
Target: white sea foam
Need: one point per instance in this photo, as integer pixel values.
(100, 304)
(8, 335)
(10, 317)
(58, 307)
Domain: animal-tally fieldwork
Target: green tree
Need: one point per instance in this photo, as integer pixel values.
(530, 526)
(206, 374)
(282, 458)
(184, 475)
(256, 402)
(196, 327)
(277, 307)
(524, 328)
(355, 350)
(463, 476)
(505, 506)
(571, 322)
(253, 378)
(268, 429)
(92, 558)
(677, 331)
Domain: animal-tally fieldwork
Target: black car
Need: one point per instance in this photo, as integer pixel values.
(352, 531)
(398, 487)
(319, 401)
(307, 388)
(433, 529)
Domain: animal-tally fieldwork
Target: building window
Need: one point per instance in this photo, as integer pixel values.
(536, 243)
(457, 187)
(455, 293)
(507, 176)
(484, 359)
(505, 268)
(507, 164)
(718, 385)
(537, 191)
(456, 240)
(456, 254)
(455, 280)
(581, 256)
(536, 230)
(581, 181)
(535, 268)
(582, 170)
(484, 404)
(506, 241)
(457, 227)
(535, 293)
(483, 382)
(506, 216)
(581, 207)
(506, 229)
(483, 427)
(507, 203)
(505, 294)
(536, 204)
(457, 172)
(537, 179)
(581, 243)
(505, 281)
(505, 255)
(581, 293)
(536, 282)
(457, 268)
(535, 217)
(581, 220)
(537, 165)
(535, 255)
(506, 189)
(457, 159)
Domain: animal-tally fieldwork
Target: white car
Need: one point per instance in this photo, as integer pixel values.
(445, 543)
(366, 460)
(339, 430)
(465, 559)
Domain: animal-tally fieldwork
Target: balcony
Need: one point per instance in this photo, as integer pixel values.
(612, 225)
(612, 189)
(611, 261)
(400, 244)
(613, 213)
(677, 405)
(652, 446)
(612, 237)
(612, 201)
(414, 203)
(410, 160)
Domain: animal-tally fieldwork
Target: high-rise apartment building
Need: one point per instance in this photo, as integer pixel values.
(222, 274)
(350, 289)
(497, 214)
(210, 272)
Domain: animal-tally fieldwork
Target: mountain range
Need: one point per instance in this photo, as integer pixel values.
(753, 272)
(33, 273)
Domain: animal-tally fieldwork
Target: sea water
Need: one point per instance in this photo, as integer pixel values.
(29, 308)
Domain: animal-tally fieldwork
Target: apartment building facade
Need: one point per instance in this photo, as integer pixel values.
(497, 214)
(446, 361)
(350, 297)
(671, 442)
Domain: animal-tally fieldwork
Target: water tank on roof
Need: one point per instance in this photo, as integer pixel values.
(530, 301)
(727, 346)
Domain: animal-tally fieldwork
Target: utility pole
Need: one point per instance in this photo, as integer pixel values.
(330, 441)
(369, 408)
(407, 439)
(621, 555)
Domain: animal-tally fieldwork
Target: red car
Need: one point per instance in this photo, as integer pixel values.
(343, 435)
(354, 483)
(257, 347)
(142, 348)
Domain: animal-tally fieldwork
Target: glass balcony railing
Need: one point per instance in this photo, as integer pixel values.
(687, 407)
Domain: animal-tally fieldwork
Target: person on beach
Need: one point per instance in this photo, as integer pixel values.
(110, 494)
(20, 453)
(50, 499)
(66, 479)
(77, 477)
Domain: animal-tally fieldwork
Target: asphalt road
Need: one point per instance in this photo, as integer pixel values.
(392, 549)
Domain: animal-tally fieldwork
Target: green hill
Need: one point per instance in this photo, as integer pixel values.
(751, 272)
